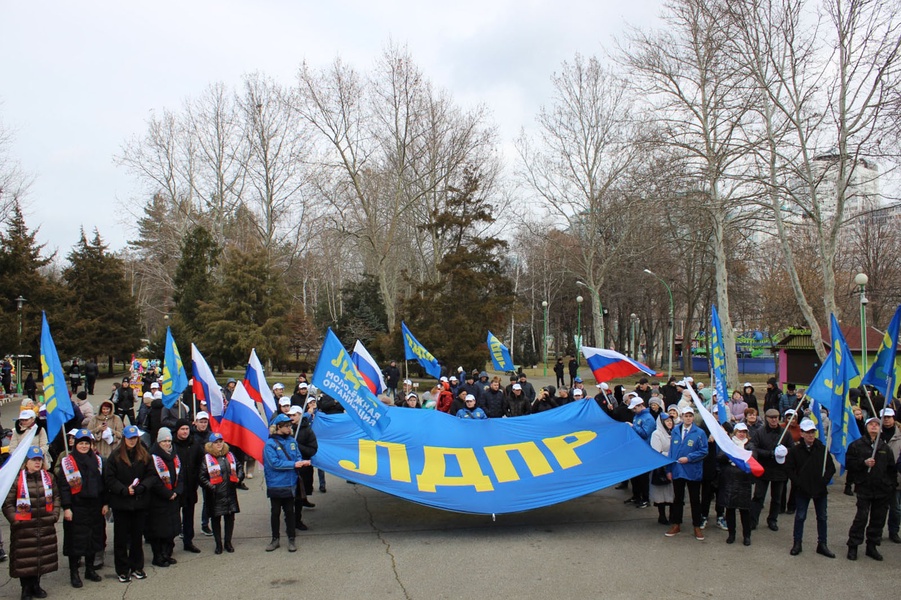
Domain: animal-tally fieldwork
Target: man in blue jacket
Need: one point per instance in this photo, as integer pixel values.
(688, 447)
(644, 425)
(281, 459)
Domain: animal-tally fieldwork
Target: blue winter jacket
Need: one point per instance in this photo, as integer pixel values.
(644, 424)
(693, 447)
(279, 456)
(476, 413)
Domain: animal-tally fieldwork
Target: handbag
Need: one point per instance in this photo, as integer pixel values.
(658, 476)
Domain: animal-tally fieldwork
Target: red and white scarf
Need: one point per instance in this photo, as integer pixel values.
(23, 498)
(215, 471)
(162, 469)
(73, 475)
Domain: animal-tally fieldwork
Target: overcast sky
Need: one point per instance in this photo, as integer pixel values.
(78, 79)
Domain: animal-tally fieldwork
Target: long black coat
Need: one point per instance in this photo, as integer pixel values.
(765, 440)
(190, 452)
(117, 476)
(221, 499)
(163, 520)
(734, 484)
(84, 534)
(32, 546)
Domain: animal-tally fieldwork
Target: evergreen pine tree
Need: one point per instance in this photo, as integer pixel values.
(473, 294)
(102, 317)
(194, 279)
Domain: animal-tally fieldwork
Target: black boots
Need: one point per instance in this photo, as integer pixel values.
(796, 548)
(852, 552)
(823, 549)
(872, 552)
(75, 578)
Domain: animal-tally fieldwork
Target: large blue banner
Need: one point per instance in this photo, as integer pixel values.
(490, 466)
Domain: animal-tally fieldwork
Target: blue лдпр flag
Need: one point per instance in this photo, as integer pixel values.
(174, 380)
(718, 354)
(413, 350)
(57, 401)
(336, 375)
(881, 374)
(500, 354)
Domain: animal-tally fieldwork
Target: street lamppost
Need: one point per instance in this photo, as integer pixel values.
(20, 301)
(544, 338)
(632, 319)
(861, 280)
(597, 298)
(672, 311)
(579, 300)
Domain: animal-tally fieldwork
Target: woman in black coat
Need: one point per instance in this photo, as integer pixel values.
(220, 475)
(308, 446)
(164, 521)
(83, 498)
(735, 487)
(129, 476)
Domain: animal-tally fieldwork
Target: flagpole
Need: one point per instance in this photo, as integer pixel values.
(828, 445)
(62, 428)
(797, 408)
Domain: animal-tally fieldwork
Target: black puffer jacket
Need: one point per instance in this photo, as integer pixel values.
(493, 403)
(518, 406)
(118, 475)
(32, 546)
(83, 535)
(734, 484)
(221, 498)
(164, 521)
(881, 480)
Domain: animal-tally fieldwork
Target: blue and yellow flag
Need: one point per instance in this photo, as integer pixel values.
(336, 375)
(174, 380)
(882, 374)
(413, 350)
(57, 401)
(718, 354)
(500, 354)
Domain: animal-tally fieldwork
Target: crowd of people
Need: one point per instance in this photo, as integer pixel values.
(147, 478)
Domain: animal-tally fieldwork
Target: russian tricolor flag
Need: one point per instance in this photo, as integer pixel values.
(205, 387)
(609, 364)
(368, 368)
(743, 459)
(243, 425)
(256, 386)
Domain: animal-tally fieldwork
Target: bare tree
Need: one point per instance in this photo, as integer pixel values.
(390, 149)
(581, 166)
(14, 182)
(826, 87)
(701, 101)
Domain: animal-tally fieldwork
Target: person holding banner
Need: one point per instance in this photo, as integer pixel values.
(32, 508)
(688, 447)
(281, 459)
(734, 490)
(871, 465)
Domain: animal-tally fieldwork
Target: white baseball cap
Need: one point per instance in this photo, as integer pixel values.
(278, 386)
(516, 386)
(302, 386)
(808, 425)
(740, 427)
(295, 410)
(636, 401)
(577, 392)
(688, 409)
(887, 412)
(154, 386)
(284, 401)
(202, 415)
(407, 382)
